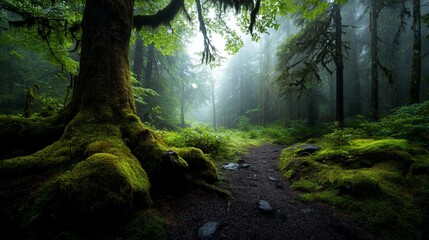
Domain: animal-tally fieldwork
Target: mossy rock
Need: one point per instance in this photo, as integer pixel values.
(382, 184)
(199, 164)
(357, 185)
(364, 153)
(146, 225)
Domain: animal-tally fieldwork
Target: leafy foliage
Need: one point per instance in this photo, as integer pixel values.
(409, 122)
(302, 56)
(197, 137)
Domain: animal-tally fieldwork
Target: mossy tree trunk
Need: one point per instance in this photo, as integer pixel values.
(106, 161)
(104, 79)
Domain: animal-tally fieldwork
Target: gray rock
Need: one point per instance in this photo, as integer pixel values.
(208, 230)
(231, 166)
(272, 179)
(244, 165)
(265, 206)
(307, 149)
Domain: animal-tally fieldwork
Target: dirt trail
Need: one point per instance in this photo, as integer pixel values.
(240, 217)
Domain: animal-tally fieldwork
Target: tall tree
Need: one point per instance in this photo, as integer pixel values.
(374, 12)
(338, 59)
(105, 160)
(303, 56)
(416, 68)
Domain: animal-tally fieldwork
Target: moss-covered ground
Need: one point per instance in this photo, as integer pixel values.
(99, 172)
(381, 183)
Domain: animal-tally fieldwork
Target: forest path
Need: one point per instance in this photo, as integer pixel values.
(241, 218)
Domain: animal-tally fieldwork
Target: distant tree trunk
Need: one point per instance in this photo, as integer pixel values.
(213, 103)
(242, 97)
(417, 48)
(138, 58)
(182, 104)
(312, 107)
(264, 83)
(147, 81)
(355, 94)
(374, 60)
(261, 101)
(339, 66)
(264, 95)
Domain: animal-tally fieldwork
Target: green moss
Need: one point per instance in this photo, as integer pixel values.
(27, 135)
(146, 225)
(382, 184)
(357, 184)
(305, 185)
(199, 164)
(49, 158)
(288, 174)
(101, 188)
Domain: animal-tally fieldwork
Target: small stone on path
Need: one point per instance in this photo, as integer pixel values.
(245, 165)
(207, 230)
(231, 166)
(265, 206)
(272, 179)
(306, 150)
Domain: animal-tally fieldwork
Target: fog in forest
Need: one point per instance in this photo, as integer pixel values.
(268, 81)
(214, 119)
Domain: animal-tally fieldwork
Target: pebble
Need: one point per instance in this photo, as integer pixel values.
(265, 206)
(208, 230)
(272, 179)
(231, 166)
(245, 165)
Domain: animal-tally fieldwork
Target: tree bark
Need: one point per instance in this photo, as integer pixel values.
(147, 82)
(374, 61)
(417, 49)
(213, 98)
(104, 83)
(339, 66)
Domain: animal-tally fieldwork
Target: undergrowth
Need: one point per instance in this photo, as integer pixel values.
(228, 144)
(376, 172)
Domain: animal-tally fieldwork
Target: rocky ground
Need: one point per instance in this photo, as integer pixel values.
(263, 207)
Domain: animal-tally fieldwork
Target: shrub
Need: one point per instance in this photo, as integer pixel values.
(409, 122)
(197, 137)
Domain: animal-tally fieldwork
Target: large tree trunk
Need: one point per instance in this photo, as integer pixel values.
(104, 84)
(106, 161)
(416, 70)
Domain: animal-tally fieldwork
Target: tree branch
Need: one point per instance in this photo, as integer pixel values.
(209, 49)
(162, 17)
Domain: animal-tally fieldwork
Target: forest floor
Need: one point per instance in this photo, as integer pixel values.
(241, 217)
